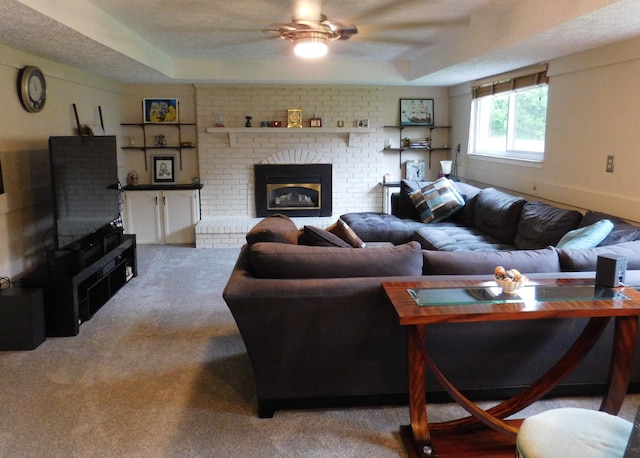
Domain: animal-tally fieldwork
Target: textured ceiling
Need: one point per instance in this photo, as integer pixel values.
(439, 42)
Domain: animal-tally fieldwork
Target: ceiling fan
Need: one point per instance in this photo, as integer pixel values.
(311, 31)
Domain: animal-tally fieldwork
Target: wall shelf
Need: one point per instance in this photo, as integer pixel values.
(402, 148)
(233, 132)
(144, 147)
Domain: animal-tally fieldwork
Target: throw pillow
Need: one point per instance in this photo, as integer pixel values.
(437, 201)
(588, 236)
(342, 230)
(314, 236)
(622, 231)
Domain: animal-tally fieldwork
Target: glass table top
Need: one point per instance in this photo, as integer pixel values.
(494, 295)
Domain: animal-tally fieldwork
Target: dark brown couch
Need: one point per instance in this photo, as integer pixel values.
(319, 330)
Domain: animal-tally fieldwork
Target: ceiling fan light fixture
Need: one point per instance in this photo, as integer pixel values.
(310, 45)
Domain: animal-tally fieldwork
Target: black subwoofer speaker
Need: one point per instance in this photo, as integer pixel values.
(611, 270)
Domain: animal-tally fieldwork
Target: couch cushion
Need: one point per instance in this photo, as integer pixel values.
(573, 432)
(437, 201)
(542, 225)
(405, 208)
(314, 236)
(279, 260)
(585, 260)
(622, 231)
(466, 215)
(381, 227)
(447, 236)
(472, 263)
(498, 213)
(341, 229)
(275, 228)
(586, 237)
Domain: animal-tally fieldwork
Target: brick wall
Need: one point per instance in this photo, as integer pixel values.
(226, 171)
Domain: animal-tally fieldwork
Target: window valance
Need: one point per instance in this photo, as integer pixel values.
(510, 81)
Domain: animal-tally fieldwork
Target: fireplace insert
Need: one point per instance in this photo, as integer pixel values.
(293, 189)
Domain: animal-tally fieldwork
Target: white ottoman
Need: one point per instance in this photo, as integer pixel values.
(572, 432)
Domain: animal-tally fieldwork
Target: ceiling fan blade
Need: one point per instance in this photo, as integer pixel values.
(290, 27)
(345, 31)
(394, 41)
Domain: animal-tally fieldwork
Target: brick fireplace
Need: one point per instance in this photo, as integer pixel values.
(226, 167)
(293, 189)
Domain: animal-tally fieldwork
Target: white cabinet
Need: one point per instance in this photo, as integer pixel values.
(162, 216)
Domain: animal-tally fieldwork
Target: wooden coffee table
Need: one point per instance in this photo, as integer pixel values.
(475, 301)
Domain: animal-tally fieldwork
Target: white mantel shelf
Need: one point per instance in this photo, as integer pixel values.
(233, 132)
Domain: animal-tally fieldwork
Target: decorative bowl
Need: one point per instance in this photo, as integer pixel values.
(509, 286)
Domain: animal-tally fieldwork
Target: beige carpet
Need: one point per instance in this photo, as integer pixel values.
(161, 371)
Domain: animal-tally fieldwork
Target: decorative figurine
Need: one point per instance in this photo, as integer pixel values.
(248, 123)
(160, 141)
(132, 179)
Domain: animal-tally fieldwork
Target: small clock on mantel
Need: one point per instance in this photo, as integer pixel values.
(32, 89)
(294, 118)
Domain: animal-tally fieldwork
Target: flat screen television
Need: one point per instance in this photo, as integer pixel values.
(86, 192)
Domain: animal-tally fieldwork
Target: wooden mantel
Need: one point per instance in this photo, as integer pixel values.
(233, 132)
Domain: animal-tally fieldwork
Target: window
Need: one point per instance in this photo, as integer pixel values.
(510, 123)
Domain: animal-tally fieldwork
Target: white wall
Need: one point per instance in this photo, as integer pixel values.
(226, 171)
(592, 112)
(26, 216)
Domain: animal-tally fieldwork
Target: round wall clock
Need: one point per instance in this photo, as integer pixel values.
(32, 89)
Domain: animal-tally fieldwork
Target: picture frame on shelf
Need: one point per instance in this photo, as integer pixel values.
(160, 111)
(163, 169)
(416, 112)
(414, 170)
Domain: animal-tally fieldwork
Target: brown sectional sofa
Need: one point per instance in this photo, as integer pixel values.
(319, 330)
(490, 220)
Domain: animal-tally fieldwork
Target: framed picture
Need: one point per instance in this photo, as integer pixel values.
(414, 170)
(160, 110)
(416, 112)
(163, 169)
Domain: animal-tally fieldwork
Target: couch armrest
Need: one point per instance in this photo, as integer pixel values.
(347, 324)
(395, 199)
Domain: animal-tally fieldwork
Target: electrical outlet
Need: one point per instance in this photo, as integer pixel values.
(610, 163)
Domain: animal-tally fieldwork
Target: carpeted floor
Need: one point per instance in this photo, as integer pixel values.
(161, 371)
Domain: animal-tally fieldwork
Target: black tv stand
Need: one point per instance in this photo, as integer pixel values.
(80, 278)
